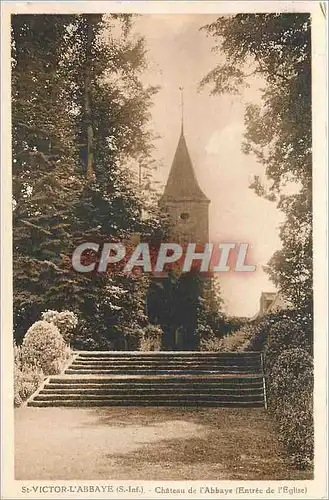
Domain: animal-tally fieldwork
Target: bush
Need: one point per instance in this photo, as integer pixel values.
(292, 372)
(236, 341)
(286, 333)
(210, 343)
(130, 337)
(291, 402)
(151, 338)
(203, 333)
(43, 346)
(287, 340)
(296, 428)
(66, 322)
(27, 378)
(288, 327)
(84, 340)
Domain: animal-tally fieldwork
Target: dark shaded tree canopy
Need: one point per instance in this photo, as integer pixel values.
(80, 119)
(277, 47)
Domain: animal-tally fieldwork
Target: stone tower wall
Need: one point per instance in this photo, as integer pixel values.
(189, 220)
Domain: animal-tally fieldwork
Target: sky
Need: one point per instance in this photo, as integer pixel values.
(179, 54)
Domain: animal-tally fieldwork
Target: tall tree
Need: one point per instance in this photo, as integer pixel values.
(279, 131)
(80, 119)
(44, 163)
(112, 132)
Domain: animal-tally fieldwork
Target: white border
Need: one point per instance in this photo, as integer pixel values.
(318, 487)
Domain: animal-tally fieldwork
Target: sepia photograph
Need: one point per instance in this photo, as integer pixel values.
(162, 215)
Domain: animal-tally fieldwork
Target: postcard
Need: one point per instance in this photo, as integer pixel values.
(164, 254)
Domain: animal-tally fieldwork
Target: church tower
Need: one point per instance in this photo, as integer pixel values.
(184, 201)
(174, 299)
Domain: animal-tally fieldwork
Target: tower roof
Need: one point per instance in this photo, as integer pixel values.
(182, 182)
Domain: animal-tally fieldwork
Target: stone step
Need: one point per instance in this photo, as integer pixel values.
(188, 368)
(81, 371)
(215, 379)
(153, 387)
(159, 355)
(167, 358)
(108, 378)
(151, 390)
(173, 359)
(134, 403)
(163, 396)
(164, 368)
(145, 354)
(158, 363)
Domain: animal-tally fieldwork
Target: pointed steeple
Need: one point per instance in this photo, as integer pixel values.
(182, 183)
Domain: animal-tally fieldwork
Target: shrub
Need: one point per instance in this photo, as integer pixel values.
(291, 402)
(287, 338)
(296, 428)
(292, 372)
(203, 332)
(130, 337)
(236, 341)
(85, 340)
(285, 328)
(66, 322)
(27, 378)
(17, 357)
(44, 347)
(211, 343)
(285, 333)
(26, 382)
(151, 338)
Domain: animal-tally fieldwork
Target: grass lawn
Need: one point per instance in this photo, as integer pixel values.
(149, 444)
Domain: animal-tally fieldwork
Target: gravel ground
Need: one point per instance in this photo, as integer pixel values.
(148, 444)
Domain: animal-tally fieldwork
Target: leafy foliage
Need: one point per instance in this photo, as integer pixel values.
(281, 330)
(291, 401)
(151, 338)
(175, 302)
(80, 128)
(43, 164)
(66, 322)
(238, 340)
(187, 305)
(292, 371)
(27, 377)
(272, 333)
(276, 48)
(286, 338)
(288, 332)
(44, 347)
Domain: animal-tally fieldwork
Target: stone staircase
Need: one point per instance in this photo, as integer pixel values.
(187, 378)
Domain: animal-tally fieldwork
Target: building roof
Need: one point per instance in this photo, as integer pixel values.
(271, 302)
(182, 182)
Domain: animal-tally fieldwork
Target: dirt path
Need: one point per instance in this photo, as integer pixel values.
(148, 444)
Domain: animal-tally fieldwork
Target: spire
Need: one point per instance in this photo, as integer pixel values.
(182, 183)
